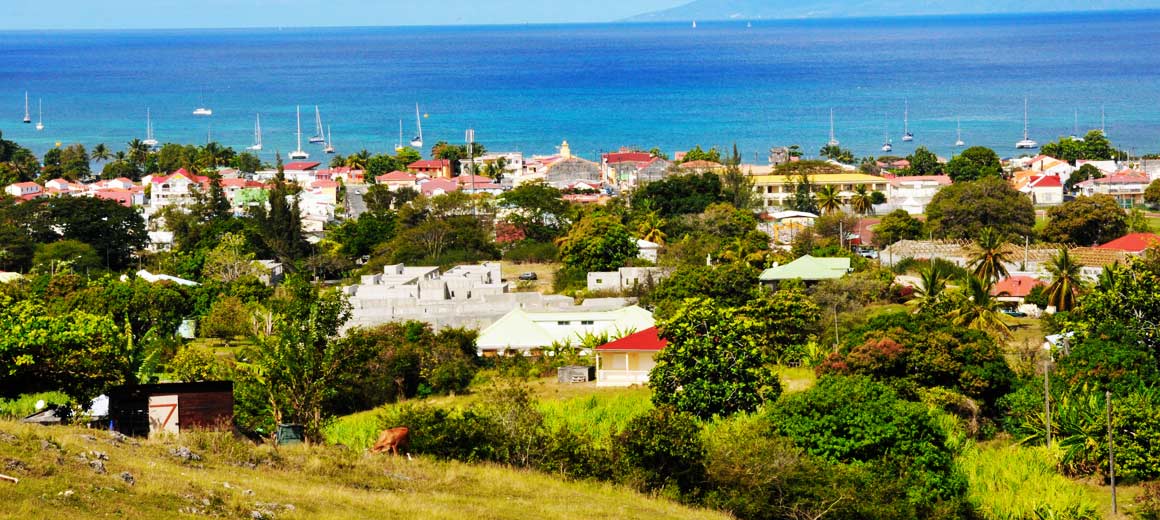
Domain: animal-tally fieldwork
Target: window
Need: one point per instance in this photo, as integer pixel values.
(587, 322)
(562, 323)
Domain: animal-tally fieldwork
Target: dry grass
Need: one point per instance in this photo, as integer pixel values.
(235, 479)
(545, 274)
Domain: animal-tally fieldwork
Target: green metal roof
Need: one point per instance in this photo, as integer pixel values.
(808, 268)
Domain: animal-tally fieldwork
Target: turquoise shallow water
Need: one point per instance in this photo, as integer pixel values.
(528, 88)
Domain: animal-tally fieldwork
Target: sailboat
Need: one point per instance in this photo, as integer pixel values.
(298, 154)
(887, 146)
(257, 147)
(833, 140)
(694, 24)
(318, 137)
(329, 141)
(40, 115)
(149, 140)
(1027, 143)
(202, 110)
(417, 142)
(1075, 130)
(959, 128)
(27, 114)
(906, 135)
(399, 144)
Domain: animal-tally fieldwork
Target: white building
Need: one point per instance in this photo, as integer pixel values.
(24, 190)
(176, 188)
(913, 194)
(626, 278)
(529, 333)
(1044, 190)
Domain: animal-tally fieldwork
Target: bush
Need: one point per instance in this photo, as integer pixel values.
(228, 318)
(663, 449)
(25, 405)
(1112, 358)
(194, 364)
(530, 251)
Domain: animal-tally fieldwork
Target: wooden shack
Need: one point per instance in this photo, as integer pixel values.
(168, 408)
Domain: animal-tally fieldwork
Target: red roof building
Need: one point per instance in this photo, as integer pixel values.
(1134, 243)
(1015, 287)
(628, 360)
(301, 166)
(622, 157)
(647, 340)
(435, 168)
(438, 187)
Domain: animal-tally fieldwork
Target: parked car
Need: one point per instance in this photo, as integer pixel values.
(529, 276)
(1014, 313)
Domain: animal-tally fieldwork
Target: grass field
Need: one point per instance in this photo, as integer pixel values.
(70, 472)
(545, 273)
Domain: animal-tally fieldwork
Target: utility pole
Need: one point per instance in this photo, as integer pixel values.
(470, 137)
(1111, 454)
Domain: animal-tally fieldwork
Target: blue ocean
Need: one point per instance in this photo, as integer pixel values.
(600, 87)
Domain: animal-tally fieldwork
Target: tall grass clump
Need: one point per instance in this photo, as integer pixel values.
(1021, 483)
(598, 416)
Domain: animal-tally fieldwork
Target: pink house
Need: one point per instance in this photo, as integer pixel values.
(397, 180)
(435, 187)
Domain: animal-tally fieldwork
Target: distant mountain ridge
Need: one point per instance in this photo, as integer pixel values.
(793, 9)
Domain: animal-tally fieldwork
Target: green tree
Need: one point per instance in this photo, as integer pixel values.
(537, 209)
(1087, 172)
(785, 321)
(837, 153)
(663, 447)
(280, 226)
(829, 200)
(52, 168)
(679, 194)
(300, 360)
(116, 232)
(697, 154)
(897, 225)
(963, 209)
(732, 285)
(598, 243)
(229, 261)
(247, 162)
(981, 310)
(74, 163)
(1066, 281)
(651, 228)
(713, 364)
(101, 153)
(989, 256)
(1086, 221)
(737, 187)
(932, 283)
(65, 256)
(861, 202)
(803, 196)
(924, 162)
(976, 162)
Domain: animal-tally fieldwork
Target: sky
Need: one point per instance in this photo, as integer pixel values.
(159, 14)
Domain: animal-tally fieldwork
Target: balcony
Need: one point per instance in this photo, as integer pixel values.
(621, 377)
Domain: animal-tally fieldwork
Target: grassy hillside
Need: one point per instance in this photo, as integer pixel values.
(70, 473)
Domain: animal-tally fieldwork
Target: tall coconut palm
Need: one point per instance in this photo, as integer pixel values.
(989, 255)
(981, 310)
(358, 161)
(1066, 281)
(829, 200)
(138, 152)
(860, 201)
(650, 228)
(101, 153)
(932, 282)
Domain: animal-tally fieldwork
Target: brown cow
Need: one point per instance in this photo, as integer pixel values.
(391, 440)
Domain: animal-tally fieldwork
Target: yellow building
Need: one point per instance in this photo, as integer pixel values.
(776, 190)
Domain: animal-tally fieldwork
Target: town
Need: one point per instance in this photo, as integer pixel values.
(174, 290)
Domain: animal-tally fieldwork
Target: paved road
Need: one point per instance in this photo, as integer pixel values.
(355, 205)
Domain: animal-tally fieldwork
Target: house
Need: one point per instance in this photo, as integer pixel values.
(435, 187)
(1048, 165)
(647, 250)
(627, 168)
(397, 180)
(24, 190)
(1014, 289)
(1134, 243)
(807, 269)
(1105, 167)
(478, 184)
(626, 278)
(434, 168)
(914, 193)
(301, 172)
(776, 190)
(783, 226)
(1044, 190)
(628, 360)
(170, 408)
(1126, 187)
(569, 169)
(529, 333)
(513, 163)
(129, 198)
(176, 188)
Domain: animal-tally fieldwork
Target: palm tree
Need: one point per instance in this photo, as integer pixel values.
(101, 153)
(650, 228)
(138, 152)
(358, 161)
(829, 200)
(861, 202)
(932, 283)
(1066, 281)
(981, 310)
(989, 256)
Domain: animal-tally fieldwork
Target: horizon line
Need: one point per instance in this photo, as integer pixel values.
(621, 21)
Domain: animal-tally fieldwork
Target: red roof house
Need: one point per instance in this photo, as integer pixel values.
(1134, 243)
(438, 187)
(434, 168)
(622, 157)
(1015, 288)
(628, 360)
(301, 166)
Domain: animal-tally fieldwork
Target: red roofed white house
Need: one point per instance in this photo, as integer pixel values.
(24, 190)
(128, 198)
(628, 360)
(1135, 243)
(1044, 190)
(175, 188)
(397, 180)
(435, 187)
(1015, 288)
(1126, 187)
(913, 193)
